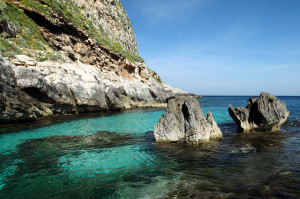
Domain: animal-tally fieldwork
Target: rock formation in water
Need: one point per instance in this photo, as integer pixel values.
(83, 58)
(184, 121)
(266, 113)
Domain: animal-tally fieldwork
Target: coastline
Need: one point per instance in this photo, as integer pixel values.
(69, 117)
(45, 89)
(117, 148)
(134, 106)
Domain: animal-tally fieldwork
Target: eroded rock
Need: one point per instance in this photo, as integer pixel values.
(15, 104)
(184, 121)
(85, 75)
(87, 88)
(33, 90)
(23, 60)
(266, 113)
(10, 29)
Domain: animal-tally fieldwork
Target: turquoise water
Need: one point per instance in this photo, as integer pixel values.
(113, 155)
(130, 122)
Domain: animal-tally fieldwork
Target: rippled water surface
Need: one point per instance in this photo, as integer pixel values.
(113, 155)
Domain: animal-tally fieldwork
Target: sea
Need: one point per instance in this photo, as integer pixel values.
(113, 155)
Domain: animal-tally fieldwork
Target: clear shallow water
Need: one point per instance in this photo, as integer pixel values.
(114, 156)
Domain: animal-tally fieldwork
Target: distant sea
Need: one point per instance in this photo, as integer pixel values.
(113, 155)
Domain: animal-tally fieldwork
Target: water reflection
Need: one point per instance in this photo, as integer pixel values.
(66, 163)
(240, 165)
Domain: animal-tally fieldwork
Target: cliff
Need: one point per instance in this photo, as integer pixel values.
(70, 57)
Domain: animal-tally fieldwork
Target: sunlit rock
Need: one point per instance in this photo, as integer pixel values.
(266, 113)
(184, 121)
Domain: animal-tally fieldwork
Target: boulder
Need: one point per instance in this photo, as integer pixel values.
(10, 29)
(15, 104)
(23, 60)
(266, 113)
(184, 121)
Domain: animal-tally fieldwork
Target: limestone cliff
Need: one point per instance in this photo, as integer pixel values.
(112, 18)
(72, 57)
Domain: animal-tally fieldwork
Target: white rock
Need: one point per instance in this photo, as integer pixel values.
(183, 121)
(23, 60)
(80, 85)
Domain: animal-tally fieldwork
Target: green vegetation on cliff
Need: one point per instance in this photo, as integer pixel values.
(27, 34)
(30, 36)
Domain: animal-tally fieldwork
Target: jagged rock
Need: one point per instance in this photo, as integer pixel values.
(70, 52)
(266, 113)
(184, 121)
(107, 75)
(16, 105)
(10, 28)
(47, 88)
(111, 16)
(85, 85)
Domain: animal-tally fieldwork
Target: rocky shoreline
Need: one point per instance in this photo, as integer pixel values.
(33, 90)
(59, 65)
(89, 63)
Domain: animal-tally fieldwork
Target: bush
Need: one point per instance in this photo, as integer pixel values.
(30, 36)
(21, 42)
(56, 56)
(9, 54)
(7, 49)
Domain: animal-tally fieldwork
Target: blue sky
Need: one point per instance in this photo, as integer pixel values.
(221, 47)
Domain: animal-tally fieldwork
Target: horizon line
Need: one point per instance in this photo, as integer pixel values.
(244, 95)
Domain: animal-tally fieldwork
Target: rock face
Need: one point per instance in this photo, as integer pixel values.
(9, 28)
(98, 33)
(33, 90)
(84, 58)
(184, 121)
(111, 16)
(266, 113)
(15, 104)
(84, 86)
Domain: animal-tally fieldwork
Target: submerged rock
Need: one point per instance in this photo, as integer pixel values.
(266, 113)
(99, 140)
(184, 121)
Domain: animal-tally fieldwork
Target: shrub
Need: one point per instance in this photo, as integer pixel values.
(7, 49)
